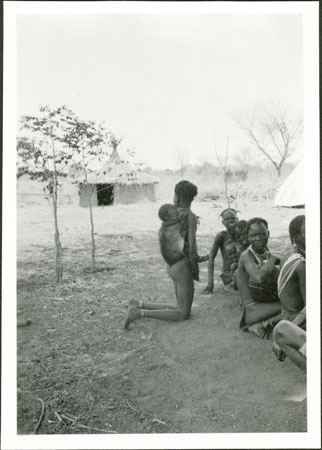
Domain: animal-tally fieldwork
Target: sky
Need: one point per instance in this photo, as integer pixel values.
(166, 83)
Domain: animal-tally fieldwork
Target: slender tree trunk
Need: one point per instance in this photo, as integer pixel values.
(226, 189)
(93, 248)
(58, 247)
(89, 190)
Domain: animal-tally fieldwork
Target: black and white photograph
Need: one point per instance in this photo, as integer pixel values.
(160, 205)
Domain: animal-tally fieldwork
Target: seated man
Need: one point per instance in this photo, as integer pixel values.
(224, 237)
(257, 281)
(291, 279)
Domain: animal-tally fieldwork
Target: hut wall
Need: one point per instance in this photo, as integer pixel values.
(33, 192)
(133, 193)
(84, 192)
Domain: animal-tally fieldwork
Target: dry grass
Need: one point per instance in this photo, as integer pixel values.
(75, 356)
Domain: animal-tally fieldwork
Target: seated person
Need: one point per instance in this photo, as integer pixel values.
(229, 220)
(290, 341)
(257, 281)
(240, 236)
(291, 279)
(289, 336)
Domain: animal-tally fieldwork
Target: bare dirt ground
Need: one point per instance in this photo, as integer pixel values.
(201, 375)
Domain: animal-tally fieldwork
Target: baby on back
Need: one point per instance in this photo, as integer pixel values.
(173, 232)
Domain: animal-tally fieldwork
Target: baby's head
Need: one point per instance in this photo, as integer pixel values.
(168, 212)
(241, 233)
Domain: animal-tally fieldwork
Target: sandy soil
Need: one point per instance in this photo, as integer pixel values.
(202, 375)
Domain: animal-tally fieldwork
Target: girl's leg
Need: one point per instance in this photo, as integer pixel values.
(184, 287)
(156, 306)
(150, 306)
(135, 313)
(182, 273)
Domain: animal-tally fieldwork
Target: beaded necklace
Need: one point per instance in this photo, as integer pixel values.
(263, 257)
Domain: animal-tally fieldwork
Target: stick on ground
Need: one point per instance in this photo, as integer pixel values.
(95, 429)
(132, 407)
(41, 415)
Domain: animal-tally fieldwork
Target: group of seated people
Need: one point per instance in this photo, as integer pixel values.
(271, 289)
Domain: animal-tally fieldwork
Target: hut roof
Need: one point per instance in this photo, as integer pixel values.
(117, 173)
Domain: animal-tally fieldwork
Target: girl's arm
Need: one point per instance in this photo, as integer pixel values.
(259, 274)
(192, 245)
(300, 270)
(211, 264)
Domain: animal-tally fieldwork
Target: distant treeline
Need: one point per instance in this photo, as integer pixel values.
(234, 172)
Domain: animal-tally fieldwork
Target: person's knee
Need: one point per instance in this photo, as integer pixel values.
(183, 314)
(281, 331)
(186, 315)
(250, 316)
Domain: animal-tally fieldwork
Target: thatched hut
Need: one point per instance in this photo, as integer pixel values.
(116, 183)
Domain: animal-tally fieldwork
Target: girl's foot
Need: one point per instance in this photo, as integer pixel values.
(131, 315)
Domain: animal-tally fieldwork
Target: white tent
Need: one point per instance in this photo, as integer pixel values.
(292, 191)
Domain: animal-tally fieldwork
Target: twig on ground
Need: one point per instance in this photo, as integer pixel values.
(75, 424)
(228, 413)
(72, 415)
(95, 429)
(41, 415)
(132, 407)
(59, 418)
(68, 418)
(57, 424)
(159, 421)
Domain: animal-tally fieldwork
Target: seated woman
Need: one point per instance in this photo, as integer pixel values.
(289, 334)
(257, 281)
(291, 279)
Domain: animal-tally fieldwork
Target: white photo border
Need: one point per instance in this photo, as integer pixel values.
(310, 439)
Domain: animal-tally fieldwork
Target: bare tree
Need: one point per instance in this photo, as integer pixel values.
(44, 159)
(271, 132)
(182, 156)
(86, 141)
(223, 165)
